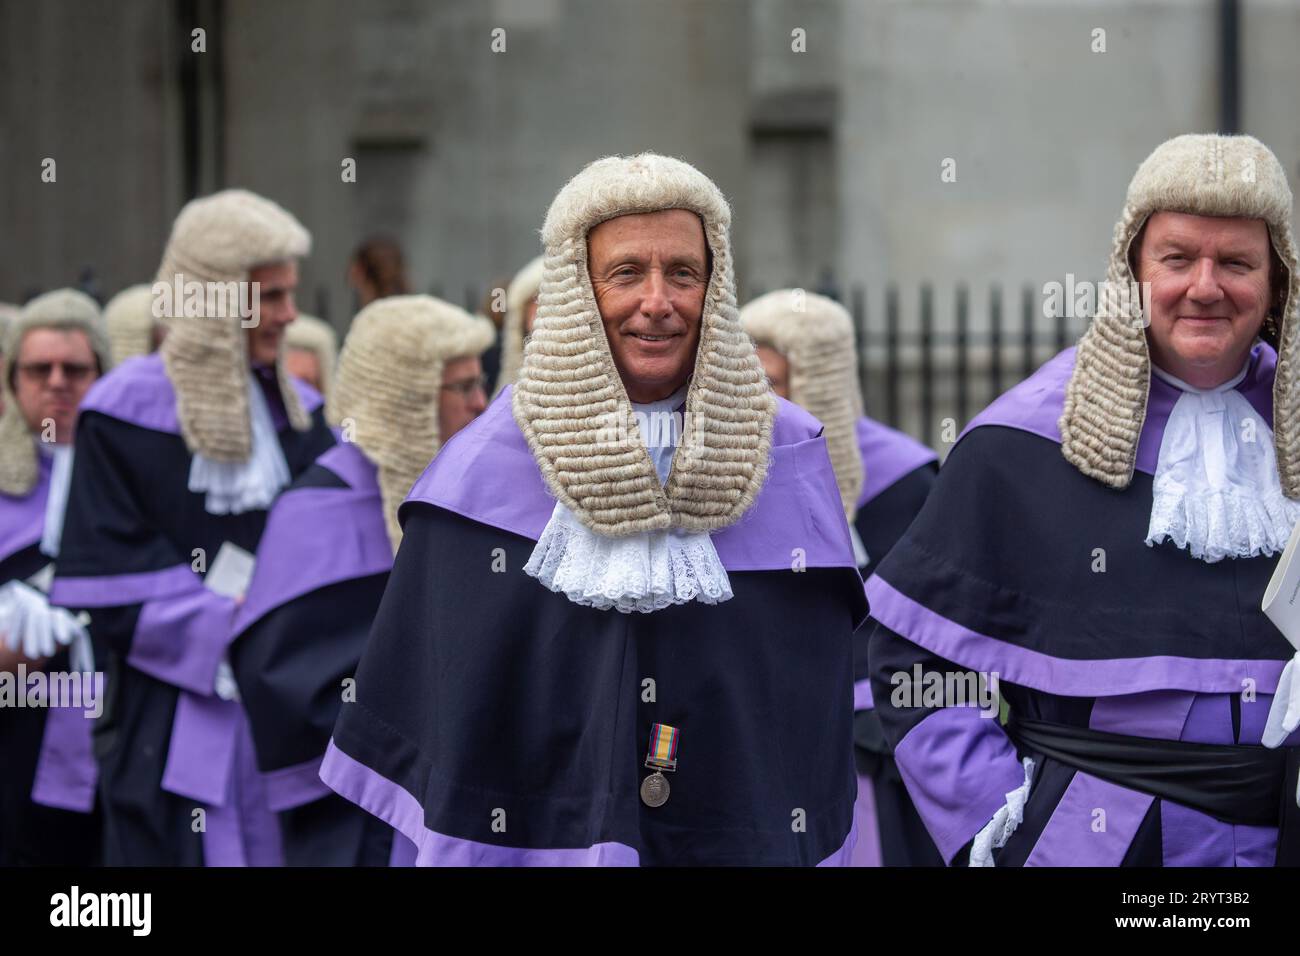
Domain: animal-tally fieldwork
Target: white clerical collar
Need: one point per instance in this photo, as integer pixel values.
(1182, 386)
(641, 572)
(1216, 490)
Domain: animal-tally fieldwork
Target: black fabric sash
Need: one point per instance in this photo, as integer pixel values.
(1240, 784)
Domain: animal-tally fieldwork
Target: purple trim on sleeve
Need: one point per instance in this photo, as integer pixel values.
(958, 768)
(294, 786)
(1035, 405)
(180, 640)
(119, 590)
(316, 537)
(1069, 837)
(887, 456)
(1056, 675)
(862, 699)
(384, 799)
(22, 520)
(487, 474)
(66, 773)
(200, 757)
(241, 830)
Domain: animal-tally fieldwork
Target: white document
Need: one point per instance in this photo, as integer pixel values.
(1282, 596)
(230, 572)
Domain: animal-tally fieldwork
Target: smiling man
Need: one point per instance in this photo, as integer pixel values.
(1099, 541)
(607, 640)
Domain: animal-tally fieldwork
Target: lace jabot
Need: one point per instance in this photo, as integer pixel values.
(642, 572)
(1216, 491)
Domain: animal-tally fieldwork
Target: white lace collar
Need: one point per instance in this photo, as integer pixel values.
(641, 572)
(233, 487)
(1216, 490)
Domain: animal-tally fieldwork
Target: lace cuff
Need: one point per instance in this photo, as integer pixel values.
(998, 831)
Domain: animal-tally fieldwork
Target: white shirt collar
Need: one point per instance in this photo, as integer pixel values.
(661, 429)
(1182, 386)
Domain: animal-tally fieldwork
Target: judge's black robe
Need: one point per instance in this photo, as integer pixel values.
(323, 562)
(498, 723)
(1020, 566)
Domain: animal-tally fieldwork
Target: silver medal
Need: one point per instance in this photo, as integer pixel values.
(655, 790)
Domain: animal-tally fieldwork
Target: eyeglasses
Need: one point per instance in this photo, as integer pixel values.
(73, 372)
(466, 387)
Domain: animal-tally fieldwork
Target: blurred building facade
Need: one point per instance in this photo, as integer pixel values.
(829, 124)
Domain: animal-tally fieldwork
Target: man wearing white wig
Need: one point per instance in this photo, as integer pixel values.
(806, 344)
(179, 455)
(1097, 546)
(619, 628)
(53, 351)
(409, 378)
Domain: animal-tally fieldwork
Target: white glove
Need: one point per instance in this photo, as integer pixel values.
(226, 687)
(31, 626)
(1284, 712)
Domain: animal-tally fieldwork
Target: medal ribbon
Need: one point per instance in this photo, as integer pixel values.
(662, 754)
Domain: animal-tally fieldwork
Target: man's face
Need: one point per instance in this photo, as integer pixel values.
(52, 372)
(303, 364)
(650, 272)
(463, 396)
(278, 283)
(1210, 289)
(776, 368)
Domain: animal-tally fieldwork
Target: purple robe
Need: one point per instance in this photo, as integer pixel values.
(177, 777)
(497, 723)
(1001, 573)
